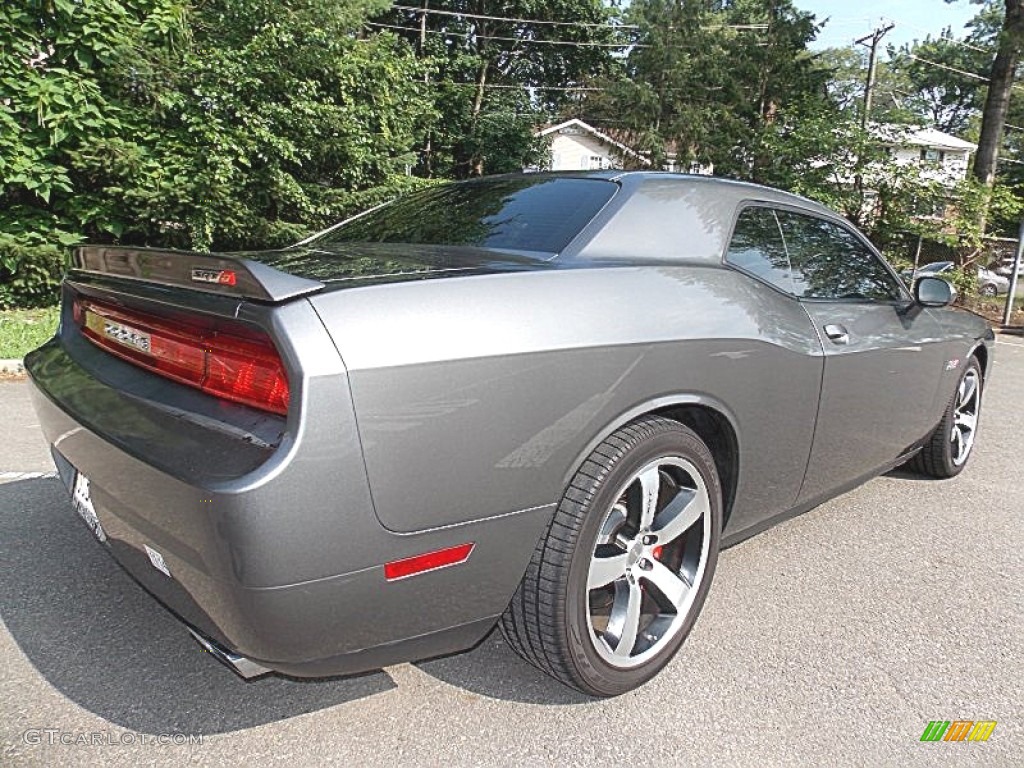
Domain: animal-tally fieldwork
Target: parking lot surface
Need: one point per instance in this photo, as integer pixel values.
(832, 639)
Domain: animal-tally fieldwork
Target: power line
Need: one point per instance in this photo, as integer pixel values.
(566, 88)
(948, 68)
(570, 43)
(952, 40)
(592, 24)
(524, 86)
(439, 12)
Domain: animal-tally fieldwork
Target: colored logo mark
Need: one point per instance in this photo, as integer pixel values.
(958, 730)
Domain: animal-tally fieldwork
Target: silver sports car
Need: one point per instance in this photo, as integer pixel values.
(542, 401)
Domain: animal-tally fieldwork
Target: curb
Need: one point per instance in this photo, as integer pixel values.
(13, 477)
(13, 367)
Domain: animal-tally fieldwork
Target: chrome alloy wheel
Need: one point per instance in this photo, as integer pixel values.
(965, 416)
(649, 561)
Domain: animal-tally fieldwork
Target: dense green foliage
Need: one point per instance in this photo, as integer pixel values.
(226, 124)
(216, 124)
(710, 82)
(496, 71)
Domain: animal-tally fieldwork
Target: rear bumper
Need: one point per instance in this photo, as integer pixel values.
(282, 564)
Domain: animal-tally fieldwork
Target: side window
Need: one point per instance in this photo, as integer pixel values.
(830, 262)
(757, 247)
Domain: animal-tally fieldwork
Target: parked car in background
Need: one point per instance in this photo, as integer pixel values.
(543, 401)
(989, 283)
(1004, 267)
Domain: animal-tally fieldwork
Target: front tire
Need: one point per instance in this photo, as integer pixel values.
(616, 584)
(947, 450)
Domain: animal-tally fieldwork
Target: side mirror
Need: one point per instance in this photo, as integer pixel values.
(933, 292)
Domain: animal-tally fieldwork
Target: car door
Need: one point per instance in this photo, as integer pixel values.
(883, 353)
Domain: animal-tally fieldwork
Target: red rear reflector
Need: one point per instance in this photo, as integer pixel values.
(243, 367)
(410, 566)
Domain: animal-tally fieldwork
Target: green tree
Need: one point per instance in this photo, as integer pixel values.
(935, 93)
(711, 80)
(497, 72)
(997, 98)
(226, 124)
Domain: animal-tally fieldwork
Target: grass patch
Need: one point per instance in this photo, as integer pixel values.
(22, 330)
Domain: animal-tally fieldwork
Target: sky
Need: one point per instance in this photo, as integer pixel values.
(914, 19)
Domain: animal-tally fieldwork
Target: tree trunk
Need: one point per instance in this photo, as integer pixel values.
(476, 161)
(998, 99)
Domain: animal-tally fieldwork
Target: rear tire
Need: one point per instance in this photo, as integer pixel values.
(618, 580)
(948, 448)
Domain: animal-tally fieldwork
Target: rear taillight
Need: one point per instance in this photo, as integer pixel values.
(242, 366)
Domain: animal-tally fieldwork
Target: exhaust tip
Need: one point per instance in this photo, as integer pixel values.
(246, 668)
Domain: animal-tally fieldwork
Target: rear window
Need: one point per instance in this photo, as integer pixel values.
(515, 214)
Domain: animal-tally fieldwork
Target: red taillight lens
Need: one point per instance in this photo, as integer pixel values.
(248, 372)
(243, 367)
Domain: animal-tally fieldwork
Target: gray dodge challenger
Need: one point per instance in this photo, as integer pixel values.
(541, 401)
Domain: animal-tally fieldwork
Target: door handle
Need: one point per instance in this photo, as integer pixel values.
(837, 334)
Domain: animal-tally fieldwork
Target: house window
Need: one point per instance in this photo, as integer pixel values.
(597, 163)
(929, 155)
(928, 207)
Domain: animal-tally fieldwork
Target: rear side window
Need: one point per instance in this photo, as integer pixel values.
(517, 214)
(829, 262)
(757, 247)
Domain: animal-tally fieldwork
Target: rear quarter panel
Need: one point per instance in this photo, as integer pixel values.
(480, 396)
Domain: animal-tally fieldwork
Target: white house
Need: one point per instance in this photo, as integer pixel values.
(941, 156)
(579, 146)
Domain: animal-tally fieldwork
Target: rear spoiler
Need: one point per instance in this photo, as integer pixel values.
(212, 273)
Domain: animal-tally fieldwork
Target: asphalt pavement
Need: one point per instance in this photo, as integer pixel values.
(831, 640)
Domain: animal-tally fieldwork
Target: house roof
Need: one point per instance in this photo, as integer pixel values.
(919, 136)
(577, 123)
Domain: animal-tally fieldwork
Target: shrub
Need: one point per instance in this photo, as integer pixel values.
(29, 275)
(965, 280)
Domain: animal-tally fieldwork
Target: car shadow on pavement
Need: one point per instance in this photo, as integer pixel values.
(494, 670)
(902, 473)
(102, 641)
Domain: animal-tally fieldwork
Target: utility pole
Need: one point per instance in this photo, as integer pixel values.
(1008, 310)
(428, 145)
(423, 30)
(871, 41)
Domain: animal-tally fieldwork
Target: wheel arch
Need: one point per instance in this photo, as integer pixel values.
(711, 419)
(980, 351)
